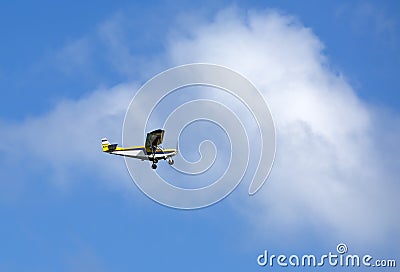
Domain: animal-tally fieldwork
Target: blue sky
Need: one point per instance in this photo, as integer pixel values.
(68, 71)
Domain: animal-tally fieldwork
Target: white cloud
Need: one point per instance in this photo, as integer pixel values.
(66, 141)
(327, 172)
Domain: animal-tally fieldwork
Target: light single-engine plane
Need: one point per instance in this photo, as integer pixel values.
(151, 151)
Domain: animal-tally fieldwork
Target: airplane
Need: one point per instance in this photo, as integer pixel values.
(151, 151)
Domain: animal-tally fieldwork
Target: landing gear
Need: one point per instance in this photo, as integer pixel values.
(170, 161)
(154, 160)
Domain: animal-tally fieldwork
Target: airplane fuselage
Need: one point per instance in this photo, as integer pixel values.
(139, 152)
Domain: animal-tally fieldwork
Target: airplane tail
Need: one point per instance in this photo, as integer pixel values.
(107, 147)
(104, 144)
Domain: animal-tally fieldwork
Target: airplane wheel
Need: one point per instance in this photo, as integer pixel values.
(154, 166)
(171, 162)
